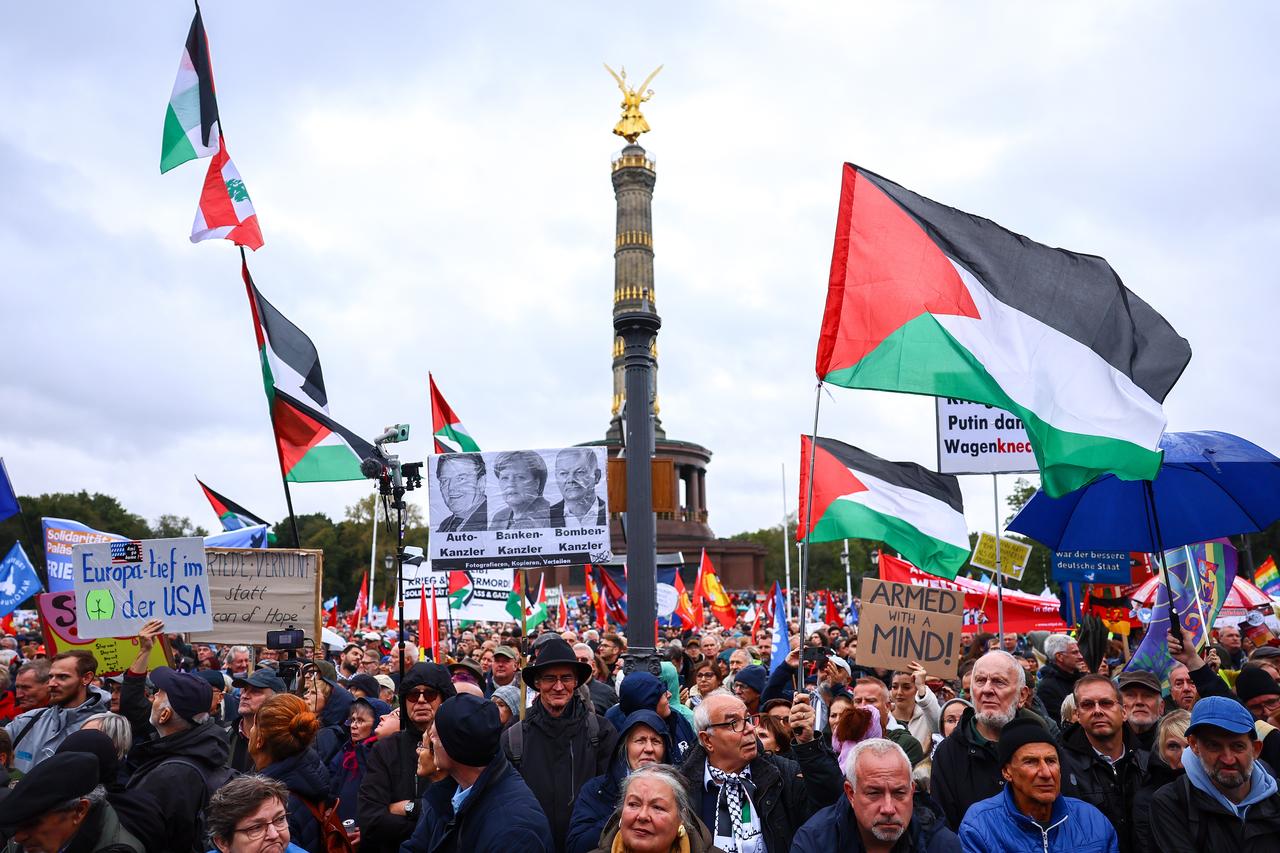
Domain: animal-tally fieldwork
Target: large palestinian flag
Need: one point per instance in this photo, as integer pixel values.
(314, 448)
(927, 299)
(191, 121)
(290, 362)
(859, 496)
(231, 514)
(449, 433)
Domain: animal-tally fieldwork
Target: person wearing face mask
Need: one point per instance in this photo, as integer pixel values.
(642, 740)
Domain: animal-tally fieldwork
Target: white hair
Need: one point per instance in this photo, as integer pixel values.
(1056, 644)
(878, 747)
(1009, 661)
(669, 776)
(583, 647)
(701, 715)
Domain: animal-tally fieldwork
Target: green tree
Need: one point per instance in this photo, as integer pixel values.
(170, 526)
(826, 569)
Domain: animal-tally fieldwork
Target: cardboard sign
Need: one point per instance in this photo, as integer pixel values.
(900, 623)
(519, 509)
(58, 616)
(258, 590)
(974, 438)
(1013, 555)
(120, 585)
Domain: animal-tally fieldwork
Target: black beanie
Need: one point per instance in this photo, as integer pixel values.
(469, 729)
(1017, 734)
(1254, 682)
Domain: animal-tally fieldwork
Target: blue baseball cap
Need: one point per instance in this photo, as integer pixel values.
(1223, 713)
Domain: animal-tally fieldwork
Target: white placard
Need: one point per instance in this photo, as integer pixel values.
(978, 439)
(120, 585)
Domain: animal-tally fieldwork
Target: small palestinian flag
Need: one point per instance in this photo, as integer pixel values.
(231, 514)
(191, 123)
(460, 589)
(450, 435)
(859, 496)
(926, 299)
(535, 613)
(225, 210)
(313, 447)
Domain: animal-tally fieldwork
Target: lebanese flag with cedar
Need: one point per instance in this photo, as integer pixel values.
(857, 495)
(225, 210)
(927, 299)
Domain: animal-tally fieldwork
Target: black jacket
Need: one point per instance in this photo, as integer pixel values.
(1159, 774)
(308, 782)
(1184, 819)
(500, 815)
(787, 793)
(180, 772)
(333, 734)
(557, 757)
(1110, 789)
(1052, 686)
(965, 771)
(603, 696)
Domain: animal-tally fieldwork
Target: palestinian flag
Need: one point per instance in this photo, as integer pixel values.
(191, 123)
(927, 299)
(460, 589)
(449, 433)
(535, 613)
(231, 514)
(859, 496)
(289, 359)
(225, 211)
(313, 447)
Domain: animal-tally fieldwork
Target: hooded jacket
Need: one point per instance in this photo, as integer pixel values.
(557, 757)
(966, 769)
(1111, 789)
(995, 825)
(671, 678)
(391, 774)
(835, 828)
(642, 691)
(1052, 686)
(1190, 816)
(180, 772)
(499, 815)
(348, 765)
(599, 796)
(308, 782)
(333, 732)
(46, 727)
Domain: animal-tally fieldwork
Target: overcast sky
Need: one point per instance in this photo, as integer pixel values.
(433, 185)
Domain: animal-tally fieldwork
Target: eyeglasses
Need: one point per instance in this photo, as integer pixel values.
(552, 680)
(352, 721)
(1266, 705)
(1104, 704)
(422, 694)
(256, 831)
(737, 725)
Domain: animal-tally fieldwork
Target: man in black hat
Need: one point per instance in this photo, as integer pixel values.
(483, 805)
(59, 805)
(388, 801)
(561, 742)
(185, 762)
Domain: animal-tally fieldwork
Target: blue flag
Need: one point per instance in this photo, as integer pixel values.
(8, 500)
(18, 580)
(242, 537)
(781, 645)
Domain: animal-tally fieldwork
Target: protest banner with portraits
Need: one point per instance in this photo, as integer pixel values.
(518, 509)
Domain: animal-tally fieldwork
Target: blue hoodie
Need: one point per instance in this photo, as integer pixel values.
(1261, 785)
(641, 691)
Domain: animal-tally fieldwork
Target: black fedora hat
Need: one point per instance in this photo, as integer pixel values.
(554, 653)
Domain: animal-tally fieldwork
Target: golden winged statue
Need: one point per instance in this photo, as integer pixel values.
(632, 123)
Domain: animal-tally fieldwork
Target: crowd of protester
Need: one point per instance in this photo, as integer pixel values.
(564, 741)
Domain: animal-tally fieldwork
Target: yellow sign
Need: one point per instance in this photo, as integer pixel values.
(1013, 555)
(58, 614)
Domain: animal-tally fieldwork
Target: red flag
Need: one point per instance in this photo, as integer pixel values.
(699, 592)
(611, 598)
(833, 612)
(362, 604)
(562, 613)
(6, 625)
(332, 621)
(721, 607)
(225, 210)
(683, 608)
(392, 623)
(597, 601)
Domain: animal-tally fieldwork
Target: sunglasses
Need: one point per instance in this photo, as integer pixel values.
(422, 694)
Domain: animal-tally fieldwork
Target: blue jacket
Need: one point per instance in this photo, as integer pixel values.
(642, 691)
(500, 815)
(599, 796)
(995, 825)
(833, 828)
(307, 781)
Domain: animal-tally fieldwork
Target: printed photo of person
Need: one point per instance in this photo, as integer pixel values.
(461, 479)
(522, 478)
(577, 475)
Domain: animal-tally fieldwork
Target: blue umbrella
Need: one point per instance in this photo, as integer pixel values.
(1211, 484)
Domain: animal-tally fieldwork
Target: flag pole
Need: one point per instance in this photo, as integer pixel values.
(786, 540)
(524, 637)
(373, 549)
(808, 526)
(275, 437)
(995, 502)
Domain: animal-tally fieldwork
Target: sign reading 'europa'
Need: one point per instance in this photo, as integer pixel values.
(900, 623)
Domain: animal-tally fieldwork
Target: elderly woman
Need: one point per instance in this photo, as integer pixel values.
(347, 767)
(643, 739)
(654, 816)
(249, 815)
(706, 678)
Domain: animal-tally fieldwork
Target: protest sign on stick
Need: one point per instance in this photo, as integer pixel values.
(58, 616)
(257, 590)
(120, 585)
(1013, 555)
(519, 509)
(900, 623)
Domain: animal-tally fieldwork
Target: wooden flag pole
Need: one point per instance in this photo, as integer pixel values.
(808, 526)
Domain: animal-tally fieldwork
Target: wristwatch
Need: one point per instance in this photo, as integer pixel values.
(409, 806)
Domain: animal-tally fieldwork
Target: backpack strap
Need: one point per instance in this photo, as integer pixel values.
(593, 728)
(28, 726)
(516, 744)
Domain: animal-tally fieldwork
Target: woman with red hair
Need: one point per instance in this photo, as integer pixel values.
(281, 748)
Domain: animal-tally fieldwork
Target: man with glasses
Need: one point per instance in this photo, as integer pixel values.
(1102, 762)
(753, 802)
(390, 791)
(561, 742)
